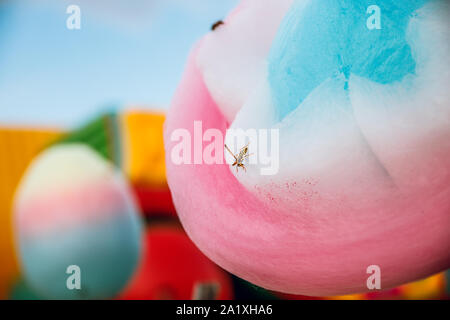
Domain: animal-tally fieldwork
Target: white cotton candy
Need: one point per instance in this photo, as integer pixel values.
(64, 166)
(321, 148)
(233, 57)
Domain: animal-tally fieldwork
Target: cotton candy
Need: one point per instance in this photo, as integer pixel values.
(74, 211)
(364, 145)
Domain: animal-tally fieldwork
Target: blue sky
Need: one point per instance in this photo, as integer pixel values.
(122, 56)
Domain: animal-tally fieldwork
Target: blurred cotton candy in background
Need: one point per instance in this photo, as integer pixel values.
(73, 208)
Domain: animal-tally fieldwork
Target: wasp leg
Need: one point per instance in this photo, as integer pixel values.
(226, 147)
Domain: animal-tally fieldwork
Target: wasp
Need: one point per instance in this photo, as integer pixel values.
(240, 157)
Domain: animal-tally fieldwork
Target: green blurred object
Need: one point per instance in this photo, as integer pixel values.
(101, 134)
(244, 290)
(22, 291)
(447, 289)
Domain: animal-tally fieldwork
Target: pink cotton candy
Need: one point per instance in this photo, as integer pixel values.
(67, 209)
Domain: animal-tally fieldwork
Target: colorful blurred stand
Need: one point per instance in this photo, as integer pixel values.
(143, 161)
(18, 146)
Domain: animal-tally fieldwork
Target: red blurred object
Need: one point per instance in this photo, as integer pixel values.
(286, 296)
(155, 201)
(391, 294)
(172, 267)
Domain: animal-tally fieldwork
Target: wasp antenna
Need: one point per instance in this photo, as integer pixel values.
(246, 146)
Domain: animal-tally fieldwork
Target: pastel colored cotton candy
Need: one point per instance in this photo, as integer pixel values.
(364, 124)
(73, 208)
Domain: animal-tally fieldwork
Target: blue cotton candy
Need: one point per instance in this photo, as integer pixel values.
(330, 38)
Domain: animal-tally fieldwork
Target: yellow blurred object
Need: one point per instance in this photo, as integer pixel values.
(17, 149)
(429, 288)
(348, 297)
(142, 139)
